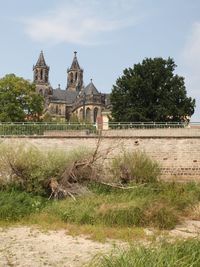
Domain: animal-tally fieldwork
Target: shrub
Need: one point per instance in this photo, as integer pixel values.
(135, 166)
(30, 168)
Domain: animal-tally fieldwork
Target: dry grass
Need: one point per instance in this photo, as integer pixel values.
(193, 212)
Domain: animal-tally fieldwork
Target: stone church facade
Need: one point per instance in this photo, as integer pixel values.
(83, 103)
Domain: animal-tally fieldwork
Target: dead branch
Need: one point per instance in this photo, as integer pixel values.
(73, 177)
(122, 187)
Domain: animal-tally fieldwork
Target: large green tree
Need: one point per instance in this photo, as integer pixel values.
(19, 100)
(151, 91)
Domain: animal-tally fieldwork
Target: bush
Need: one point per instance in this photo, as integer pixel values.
(136, 167)
(30, 169)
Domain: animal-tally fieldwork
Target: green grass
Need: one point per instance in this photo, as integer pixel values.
(155, 205)
(159, 205)
(16, 205)
(179, 254)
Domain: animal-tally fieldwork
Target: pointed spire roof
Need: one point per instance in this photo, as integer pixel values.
(91, 89)
(41, 61)
(75, 64)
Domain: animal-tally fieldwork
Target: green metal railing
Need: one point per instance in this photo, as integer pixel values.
(19, 129)
(66, 129)
(146, 125)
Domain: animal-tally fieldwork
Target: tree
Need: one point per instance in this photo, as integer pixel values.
(19, 100)
(150, 91)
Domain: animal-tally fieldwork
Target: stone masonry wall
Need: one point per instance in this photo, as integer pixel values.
(179, 157)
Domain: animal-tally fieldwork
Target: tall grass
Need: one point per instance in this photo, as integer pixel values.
(179, 254)
(30, 169)
(135, 166)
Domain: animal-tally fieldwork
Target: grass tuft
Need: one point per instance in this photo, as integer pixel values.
(179, 254)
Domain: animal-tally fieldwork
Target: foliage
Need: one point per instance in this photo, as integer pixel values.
(149, 203)
(150, 91)
(135, 166)
(181, 254)
(16, 205)
(30, 169)
(47, 117)
(19, 100)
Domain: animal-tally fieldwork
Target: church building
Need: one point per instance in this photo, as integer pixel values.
(83, 103)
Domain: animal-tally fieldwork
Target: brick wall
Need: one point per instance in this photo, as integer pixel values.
(179, 157)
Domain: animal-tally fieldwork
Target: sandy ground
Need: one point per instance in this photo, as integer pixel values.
(30, 247)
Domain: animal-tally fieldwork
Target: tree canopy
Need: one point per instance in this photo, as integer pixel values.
(150, 91)
(19, 100)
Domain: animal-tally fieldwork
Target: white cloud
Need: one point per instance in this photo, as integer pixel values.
(81, 22)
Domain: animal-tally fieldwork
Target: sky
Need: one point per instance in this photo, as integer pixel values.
(109, 36)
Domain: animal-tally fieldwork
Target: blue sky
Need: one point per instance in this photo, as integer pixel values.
(108, 35)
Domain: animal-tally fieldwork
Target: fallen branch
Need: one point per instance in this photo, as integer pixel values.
(122, 187)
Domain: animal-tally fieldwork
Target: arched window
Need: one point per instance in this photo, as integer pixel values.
(76, 76)
(46, 77)
(71, 77)
(95, 114)
(41, 92)
(41, 74)
(36, 74)
(88, 115)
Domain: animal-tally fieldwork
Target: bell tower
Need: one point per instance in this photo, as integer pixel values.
(41, 76)
(75, 76)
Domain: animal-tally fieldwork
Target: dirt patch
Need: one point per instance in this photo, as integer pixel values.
(28, 247)
(188, 229)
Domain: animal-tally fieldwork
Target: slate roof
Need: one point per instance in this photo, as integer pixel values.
(64, 95)
(91, 89)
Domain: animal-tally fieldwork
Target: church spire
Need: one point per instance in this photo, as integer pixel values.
(75, 64)
(41, 61)
(41, 71)
(75, 75)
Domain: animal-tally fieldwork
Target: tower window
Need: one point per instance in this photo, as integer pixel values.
(41, 74)
(95, 114)
(71, 77)
(36, 74)
(76, 76)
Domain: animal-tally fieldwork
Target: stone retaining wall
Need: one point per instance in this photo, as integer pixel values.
(179, 157)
